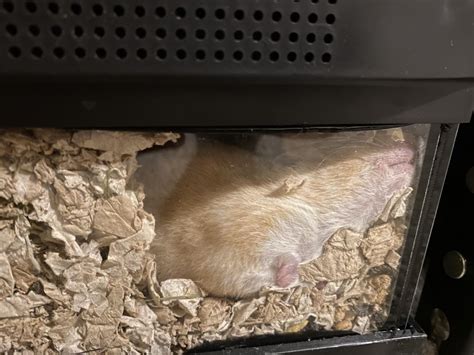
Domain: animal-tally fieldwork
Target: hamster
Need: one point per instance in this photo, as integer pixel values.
(235, 220)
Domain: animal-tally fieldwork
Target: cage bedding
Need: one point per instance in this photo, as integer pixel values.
(76, 273)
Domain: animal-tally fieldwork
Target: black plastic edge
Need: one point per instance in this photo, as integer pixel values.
(408, 341)
(232, 105)
(436, 165)
(452, 297)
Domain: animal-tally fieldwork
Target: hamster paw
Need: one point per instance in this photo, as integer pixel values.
(287, 270)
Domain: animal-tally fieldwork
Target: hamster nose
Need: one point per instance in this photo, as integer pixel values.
(402, 154)
(406, 153)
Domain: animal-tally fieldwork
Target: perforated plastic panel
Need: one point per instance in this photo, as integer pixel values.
(235, 63)
(161, 36)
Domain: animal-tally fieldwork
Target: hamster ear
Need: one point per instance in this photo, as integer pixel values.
(289, 186)
(286, 270)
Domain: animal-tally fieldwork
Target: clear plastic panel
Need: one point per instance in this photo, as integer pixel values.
(162, 241)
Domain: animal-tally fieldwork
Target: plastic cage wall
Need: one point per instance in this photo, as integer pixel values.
(228, 75)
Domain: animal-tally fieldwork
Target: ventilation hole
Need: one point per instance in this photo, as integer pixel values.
(11, 30)
(314, 1)
(119, 10)
(220, 35)
(161, 53)
(238, 55)
(238, 35)
(180, 12)
(332, 1)
(53, 8)
(291, 56)
(256, 56)
(220, 14)
(257, 36)
(181, 54)
(56, 30)
(239, 15)
(274, 56)
(180, 33)
(258, 15)
(219, 55)
(36, 52)
(160, 12)
(309, 57)
(80, 53)
(59, 52)
(34, 30)
(76, 8)
(200, 34)
(293, 37)
(160, 33)
(140, 32)
(294, 17)
(78, 31)
(276, 16)
(275, 36)
(99, 32)
(312, 18)
(310, 38)
(121, 53)
(140, 11)
(31, 7)
(98, 10)
(326, 57)
(142, 53)
(8, 6)
(101, 53)
(120, 32)
(200, 54)
(200, 13)
(15, 52)
(330, 19)
(328, 38)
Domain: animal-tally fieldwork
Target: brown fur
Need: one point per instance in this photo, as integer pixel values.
(221, 224)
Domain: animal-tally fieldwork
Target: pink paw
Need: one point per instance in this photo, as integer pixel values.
(287, 271)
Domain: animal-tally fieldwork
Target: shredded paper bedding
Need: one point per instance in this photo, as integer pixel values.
(76, 273)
